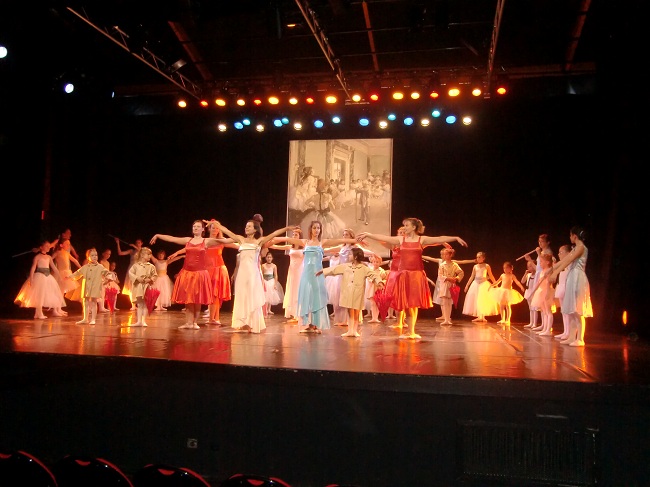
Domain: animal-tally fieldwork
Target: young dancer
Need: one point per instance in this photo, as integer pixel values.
(505, 296)
(132, 252)
(449, 274)
(62, 259)
(411, 291)
(41, 289)
(296, 259)
(163, 282)
(477, 298)
(577, 297)
(142, 274)
(375, 263)
(248, 306)
(528, 281)
(543, 247)
(543, 295)
(111, 281)
(312, 294)
(560, 289)
(352, 297)
(271, 291)
(93, 274)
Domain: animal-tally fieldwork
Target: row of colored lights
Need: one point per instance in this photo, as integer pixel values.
(452, 92)
(382, 123)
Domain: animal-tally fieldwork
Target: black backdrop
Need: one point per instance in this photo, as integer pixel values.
(523, 168)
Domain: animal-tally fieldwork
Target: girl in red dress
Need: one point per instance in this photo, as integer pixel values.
(411, 288)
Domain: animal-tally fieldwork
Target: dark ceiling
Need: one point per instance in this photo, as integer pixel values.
(549, 46)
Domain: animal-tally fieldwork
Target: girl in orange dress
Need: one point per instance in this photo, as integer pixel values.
(411, 291)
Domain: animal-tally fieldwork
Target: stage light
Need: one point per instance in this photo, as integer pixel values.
(222, 127)
(433, 87)
(182, 104)
(176, 66)
(204, 103)
(3, 52)
(273, 100)
(246, 121)
(408, 121)
(318, 124)
(398, 95)
(364, 122)
(356, 97)
(435, 113)
(383, 124)
(220, 100)
(467, 120)
(336, 119)
(451, 119)
(331, 99)
(415, 91)
(285, 120)
(68, 88)
(239, 125)
(259, 127)
(502, 85)
(240, 101)
(392, 117)
(374, 91)
(297, 126)
(293, 100)
(425, 122)
(477, 86)
(277, 122)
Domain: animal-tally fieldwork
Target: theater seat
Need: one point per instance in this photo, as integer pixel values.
(20, 469)
(252, 480)
(80, 471)
(161, 475)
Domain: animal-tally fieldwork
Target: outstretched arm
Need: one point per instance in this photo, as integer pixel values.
(234, 238)
(166, 238)
(384, 239)
(426, 241)
(277, 233)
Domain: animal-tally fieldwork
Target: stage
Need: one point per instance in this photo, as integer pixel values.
(468, 404)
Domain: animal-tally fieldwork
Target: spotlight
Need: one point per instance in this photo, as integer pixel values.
(502, 85)
(364, 122)
(451, 119)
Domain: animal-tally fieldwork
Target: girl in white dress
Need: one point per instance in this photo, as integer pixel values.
(543, 296)
(163, 283)
(296, 260)
(577, 296)
(41, 288)
(271, 291)
(371, 287)
(477, 299)
(249, 301)
(560, 289)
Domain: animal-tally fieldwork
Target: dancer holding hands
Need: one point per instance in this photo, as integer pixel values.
(411, 291)
(577, 297)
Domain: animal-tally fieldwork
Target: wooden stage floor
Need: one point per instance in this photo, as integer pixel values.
(468, 405)
(466, 349)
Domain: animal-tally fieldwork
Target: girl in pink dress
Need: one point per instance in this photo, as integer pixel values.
(411, 291)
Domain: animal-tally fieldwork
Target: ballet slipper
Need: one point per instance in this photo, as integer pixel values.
(577, 343)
